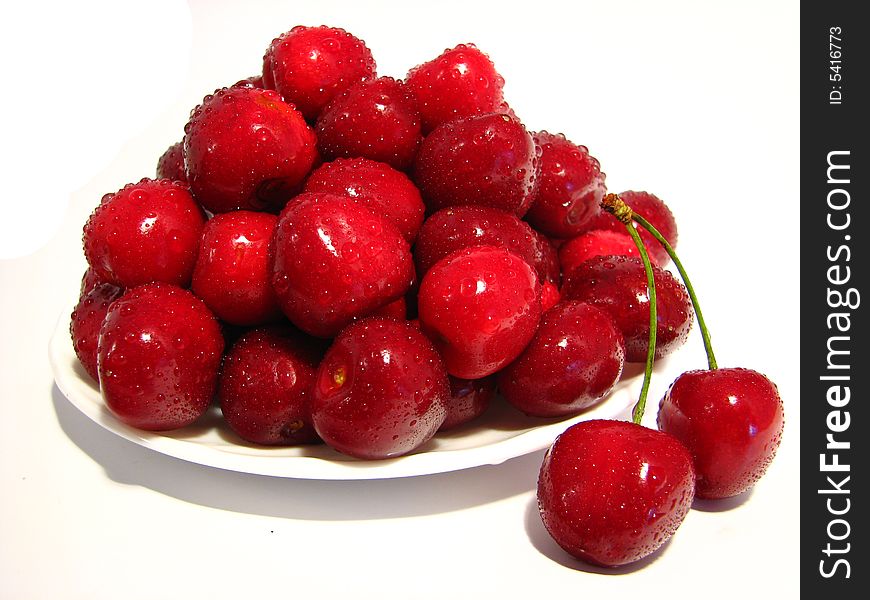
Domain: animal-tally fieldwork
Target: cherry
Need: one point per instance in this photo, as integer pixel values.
(612, 492)
(376, 119)
(90, 280)
(232, 274)
(146, 231)
(158, 357)
(480, 306)
(265, 387)
(171, 164)
(254, 81)
(655, 210)
(87, 319)
(731, 420)
(244, 148)
(381, 390)
(397, 309)
(618, 285)
(378, 186)
(309, 66)
(572, 362)
(459, 227)
(469, 398)
(550, 296)
(570, 189)
(334, 260)
(546, 259)
(599, 242)
(487, 160)
(461, 82)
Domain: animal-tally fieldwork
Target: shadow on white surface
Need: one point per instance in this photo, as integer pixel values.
(547, 546)
(723, 505)
(130, 464)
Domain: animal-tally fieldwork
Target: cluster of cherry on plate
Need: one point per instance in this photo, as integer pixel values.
(361, 260)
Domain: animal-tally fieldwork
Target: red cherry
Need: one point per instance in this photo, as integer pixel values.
(90, 280)
(570, 189)
(381, 390)
(469, 398)
(334, 260)
(461, 82)
(460, 227)
(550, 296)
(598, 242)
(266, 385)
(617, 284)
(171, 164)
(488, 160)
(378, 186)
(480, 306)
(232, 274)
(546, 259)
(612, 492)
(375, 119)
(147, 231)
(245, 148)
(397, 309)
(309, 66)
(654, 210)
(731, 420)
(158, 357)
(574, 360)
(87, 319)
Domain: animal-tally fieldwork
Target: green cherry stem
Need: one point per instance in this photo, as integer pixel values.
(705, 333)
(619, 209)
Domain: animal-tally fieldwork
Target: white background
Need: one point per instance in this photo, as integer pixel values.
(696, 102)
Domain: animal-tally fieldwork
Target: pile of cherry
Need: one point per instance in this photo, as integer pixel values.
(360, 260)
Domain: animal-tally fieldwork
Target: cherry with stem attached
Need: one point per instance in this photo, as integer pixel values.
(612, 492)
(731, 419)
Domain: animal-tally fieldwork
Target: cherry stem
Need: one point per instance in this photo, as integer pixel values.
(619, 209)
(705, 333)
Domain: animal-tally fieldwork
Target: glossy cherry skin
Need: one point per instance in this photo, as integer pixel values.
(171, 164)
(487, 160)
(617, 284)
(381, 390)
(653, 209)
(461, 82)
(244, 148)
(158, 357)
(375, 119)
(397, 309)
(599, 242)
(265, 387)
(574, 360)
(469, 398)
(731, 420)
(458, 227)
(309, 66)
(570, 189)
(87, 319)
(378, 186)
(232, 274)
(147, 231)
(550, 296)
(546, 259)
(480, 306)
(612, 492)
(334, 260)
